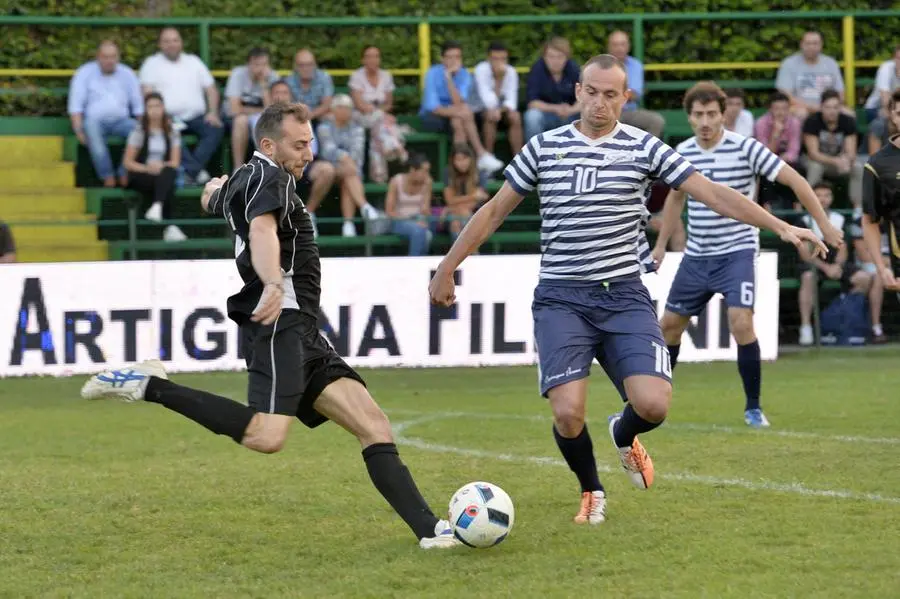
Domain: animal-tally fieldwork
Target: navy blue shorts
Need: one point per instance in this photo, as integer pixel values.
(614, 323)
(698, 279)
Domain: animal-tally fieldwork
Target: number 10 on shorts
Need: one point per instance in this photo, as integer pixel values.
(663, 363)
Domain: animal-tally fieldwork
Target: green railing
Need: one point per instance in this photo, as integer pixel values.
(424, 24)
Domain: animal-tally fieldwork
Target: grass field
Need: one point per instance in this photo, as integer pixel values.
(107, 499)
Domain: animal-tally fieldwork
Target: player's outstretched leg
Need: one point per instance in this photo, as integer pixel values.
(648, 404)
(148, 381)
(348, 403)
(749, 363)
(574, 441)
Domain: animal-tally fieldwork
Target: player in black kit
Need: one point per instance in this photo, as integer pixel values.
(293, 371)
(881, 200)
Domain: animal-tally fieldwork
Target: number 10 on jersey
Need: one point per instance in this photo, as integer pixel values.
(585, 179)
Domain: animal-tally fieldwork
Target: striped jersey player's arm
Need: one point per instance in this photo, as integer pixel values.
(522, 171)
(667, 164)
(762, 160)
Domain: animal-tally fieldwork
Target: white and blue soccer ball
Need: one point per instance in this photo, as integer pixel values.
(481, 514)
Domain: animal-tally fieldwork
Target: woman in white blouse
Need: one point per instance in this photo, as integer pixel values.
(372, 90)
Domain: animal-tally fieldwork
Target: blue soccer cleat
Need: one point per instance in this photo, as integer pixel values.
(756, 418)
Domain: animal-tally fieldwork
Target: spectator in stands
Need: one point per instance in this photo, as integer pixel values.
(830, 139)
(103, 96)
(865, 262)
(408, 204)
(444, 105)
(619, 45)
(550, 90)
(372, 90)
(495, 97)
(805, 75)
(191, 97)
(152, 155)
(887, 79)
(7, 245)
(782, 133)
(245, 97)
(834, 267)
(464, 190)
(311, 85)
(737, 117)
(342, 143)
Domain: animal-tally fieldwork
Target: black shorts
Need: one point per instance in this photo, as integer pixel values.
(289, 369)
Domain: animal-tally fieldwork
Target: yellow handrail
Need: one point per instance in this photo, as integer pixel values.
(849, 57)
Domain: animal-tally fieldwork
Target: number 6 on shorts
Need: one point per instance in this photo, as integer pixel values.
(747, 293)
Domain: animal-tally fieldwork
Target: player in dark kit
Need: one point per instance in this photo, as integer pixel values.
(881, 201)
(293, 371)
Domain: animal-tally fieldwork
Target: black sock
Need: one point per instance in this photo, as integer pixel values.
(393, 480)
(579, 455)
(750, 368)
(673, 354)
(631, 425)
(219, 414)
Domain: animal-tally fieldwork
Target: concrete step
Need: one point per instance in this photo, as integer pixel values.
(31, 150)
(36, 178)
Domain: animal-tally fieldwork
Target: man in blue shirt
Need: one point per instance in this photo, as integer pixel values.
(103, 96)
(619, 45)
(311, 85)
(550, 91)
(445, 108)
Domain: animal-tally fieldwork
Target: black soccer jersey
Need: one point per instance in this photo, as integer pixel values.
(261, 187)
(881, 196)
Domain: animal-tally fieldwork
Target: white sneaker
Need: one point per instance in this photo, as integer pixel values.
(154, 213)
(173, 233)
(806, 335)
(202, 177)
(489, 163)
(635, 460)
(349, 229)
(593, 508)
(128, 384)
(369, 212)
(443, 537)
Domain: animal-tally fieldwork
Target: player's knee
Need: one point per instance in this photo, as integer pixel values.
(671, 328)
(741, 324)
(377, 429)
(653, 403)
(266, 434)
(568, 417)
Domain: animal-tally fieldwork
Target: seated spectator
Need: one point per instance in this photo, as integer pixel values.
(311, 85)
(782, 133)
(7, 245)
(444, 108)
(372, 90)
(103, 96)
(737, 117)
(550, 90)
(864, 261)
(619, 45)
(342, 143)
(152, 156)
(830, 139)
(495, 96)
(245, 98)
(834, 267)
(887, 79)
(805, 75)
(464, 190)
(408, 204)
(191, 97)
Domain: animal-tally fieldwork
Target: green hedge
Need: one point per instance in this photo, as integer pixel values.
(686, 41)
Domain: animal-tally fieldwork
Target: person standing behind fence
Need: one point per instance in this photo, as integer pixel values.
(103, 96)
(408, 204)
(152, 156)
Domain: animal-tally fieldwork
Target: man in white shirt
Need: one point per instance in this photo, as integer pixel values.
(887, 79)
(737, 117)
(495, 96)
(191, 97)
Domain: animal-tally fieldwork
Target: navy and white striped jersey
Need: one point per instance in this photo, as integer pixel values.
(736, 161)
(593, 195)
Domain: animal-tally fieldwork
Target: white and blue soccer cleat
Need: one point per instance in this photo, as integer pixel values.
(443, 537)
(128, 384)
(756, 418)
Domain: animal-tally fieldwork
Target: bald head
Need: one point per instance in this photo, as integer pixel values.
(618, 44)
(170, 43)
(108, 56)
(305, 64)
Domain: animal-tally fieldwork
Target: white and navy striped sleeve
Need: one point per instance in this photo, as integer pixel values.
(522, 172)
(761, 159)
(667, 164)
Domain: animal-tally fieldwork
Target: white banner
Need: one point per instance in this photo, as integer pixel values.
(78, 317)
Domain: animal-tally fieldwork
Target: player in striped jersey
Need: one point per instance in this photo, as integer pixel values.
(721, 252)
(592, 179)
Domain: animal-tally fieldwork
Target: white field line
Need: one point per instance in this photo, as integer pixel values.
(690, 426)
(400, 429)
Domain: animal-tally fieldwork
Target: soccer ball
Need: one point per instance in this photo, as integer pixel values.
(481, 514)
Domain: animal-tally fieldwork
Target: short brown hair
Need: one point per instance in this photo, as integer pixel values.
(704, 92)
(269, 123)
(605, 62)
(560, 44)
